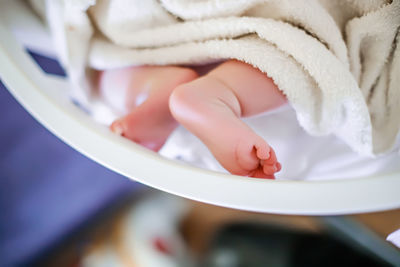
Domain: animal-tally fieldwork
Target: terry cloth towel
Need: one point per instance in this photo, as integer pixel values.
(338, 62)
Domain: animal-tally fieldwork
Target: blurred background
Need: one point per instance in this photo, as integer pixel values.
(58, 208)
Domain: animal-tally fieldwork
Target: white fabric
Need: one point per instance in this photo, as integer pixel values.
(394, 238)
(336, 61)
(303, 157)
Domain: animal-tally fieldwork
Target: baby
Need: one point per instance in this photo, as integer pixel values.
(210, 106)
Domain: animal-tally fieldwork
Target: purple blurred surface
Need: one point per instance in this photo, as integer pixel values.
(47, 189)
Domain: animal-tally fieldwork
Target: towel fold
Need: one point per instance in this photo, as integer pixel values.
(338, 62)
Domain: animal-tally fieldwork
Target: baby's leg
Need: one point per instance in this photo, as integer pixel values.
(149, 121)
(211, 107)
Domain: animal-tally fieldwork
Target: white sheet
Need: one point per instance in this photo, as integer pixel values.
(303, 157)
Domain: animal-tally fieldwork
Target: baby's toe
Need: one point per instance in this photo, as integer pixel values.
(278, 166)
(246, 156)
(271, 169)
(271, 160)
(263, 149)
(259, 173)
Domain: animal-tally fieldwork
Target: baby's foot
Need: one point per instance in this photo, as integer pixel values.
(207, 109)
(242, 151)
(149, 121)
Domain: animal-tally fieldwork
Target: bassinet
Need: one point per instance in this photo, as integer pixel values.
(45, 97)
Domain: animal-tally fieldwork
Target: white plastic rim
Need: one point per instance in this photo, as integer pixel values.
(45, 97)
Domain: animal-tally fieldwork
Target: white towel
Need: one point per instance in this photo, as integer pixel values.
(337, 62)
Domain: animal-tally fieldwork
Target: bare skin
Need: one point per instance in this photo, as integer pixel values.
(210, 107)
(149, 121)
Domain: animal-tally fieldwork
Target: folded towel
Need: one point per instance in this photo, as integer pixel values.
(337, 62)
